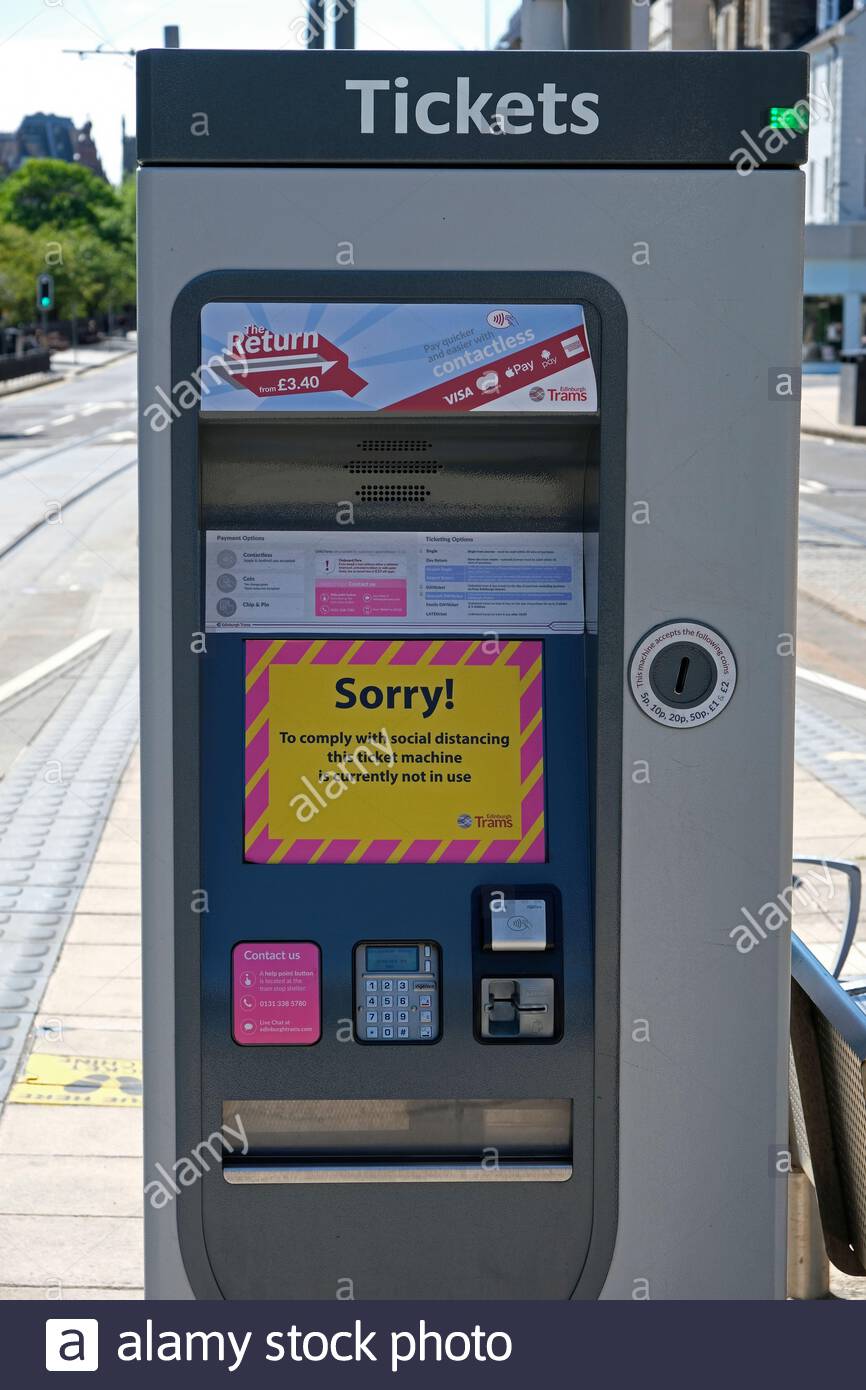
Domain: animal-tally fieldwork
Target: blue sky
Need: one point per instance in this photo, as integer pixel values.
(36, 75)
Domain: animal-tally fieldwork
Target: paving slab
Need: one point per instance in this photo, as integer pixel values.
(108, 1041)
(54, 1185)
(84, 1133)
(68, 994)
(46, 1024)
(71, 1293)
(113, 900)
(63, 1250)
(118, 849)
(824, 822)
(104, 929)
(114, 875)
(99, 961)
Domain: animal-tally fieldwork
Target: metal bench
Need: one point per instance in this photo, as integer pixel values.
(852, 872)
(828, 1110)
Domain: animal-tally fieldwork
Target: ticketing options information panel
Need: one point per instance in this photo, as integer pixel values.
(294, 581)
(384, 752)
(423, 358)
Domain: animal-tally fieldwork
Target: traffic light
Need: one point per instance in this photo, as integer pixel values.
(45, 293)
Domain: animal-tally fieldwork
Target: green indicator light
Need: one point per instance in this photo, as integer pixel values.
(46, 302)
(789, 118)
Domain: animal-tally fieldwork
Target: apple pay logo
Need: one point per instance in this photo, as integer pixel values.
(71, 1344)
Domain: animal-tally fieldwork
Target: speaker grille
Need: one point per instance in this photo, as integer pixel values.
(393, 492)
(402, 468)
(394, 446)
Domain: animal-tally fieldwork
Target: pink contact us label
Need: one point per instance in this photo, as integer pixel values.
(276, 990)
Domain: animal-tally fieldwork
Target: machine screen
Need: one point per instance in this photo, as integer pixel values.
(392, 960)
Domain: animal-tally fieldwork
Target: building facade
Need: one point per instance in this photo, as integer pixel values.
(764, 23)
(833, 32)
(730, 24)
(835, 283)
(681, 24)
(46, 136)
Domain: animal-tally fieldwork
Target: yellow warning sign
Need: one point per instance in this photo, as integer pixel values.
(413, 752)
(50, 1080)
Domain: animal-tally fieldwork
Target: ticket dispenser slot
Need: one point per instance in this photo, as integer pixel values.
(522, 1008)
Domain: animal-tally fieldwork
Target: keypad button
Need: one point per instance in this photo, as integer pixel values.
(387, 1016)
(402, 984)
(426, 1016)
(372, 1015)
(428, 966)
(372, 986)
(424, 1001)
(387, 985)
(387, 1001)
(426, 1032)
(402, 1001)
(372, 1032)
(427, 950)
(403, 1032)
(387, 1032)
(403, 1016)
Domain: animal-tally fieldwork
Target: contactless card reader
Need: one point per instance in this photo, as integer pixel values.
(397, 992)
(518, 918)
(519, 924)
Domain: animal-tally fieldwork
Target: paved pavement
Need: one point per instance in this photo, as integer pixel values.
(820, 403)
(70, 1170)
(70, 1173)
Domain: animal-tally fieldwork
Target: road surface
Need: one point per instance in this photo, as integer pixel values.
(67, 530)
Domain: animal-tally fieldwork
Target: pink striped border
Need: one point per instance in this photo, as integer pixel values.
(334, 651)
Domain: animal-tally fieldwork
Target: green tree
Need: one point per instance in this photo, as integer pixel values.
(117, 223)
(20, 263)
(93, 275)
(49, 192)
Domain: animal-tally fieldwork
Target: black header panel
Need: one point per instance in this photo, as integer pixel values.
(716, 110)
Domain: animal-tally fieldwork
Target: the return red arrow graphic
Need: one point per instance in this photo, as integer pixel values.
(294, 373)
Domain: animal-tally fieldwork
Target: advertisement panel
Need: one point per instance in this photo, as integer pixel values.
(419, 358)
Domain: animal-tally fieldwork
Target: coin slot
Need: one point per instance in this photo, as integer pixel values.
(683, 675)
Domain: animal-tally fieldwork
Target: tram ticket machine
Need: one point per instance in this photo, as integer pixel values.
(468, 481)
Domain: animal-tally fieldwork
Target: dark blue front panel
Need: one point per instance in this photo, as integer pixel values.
(418, 1240)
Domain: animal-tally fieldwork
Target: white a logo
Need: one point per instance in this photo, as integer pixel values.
(71, 1344)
